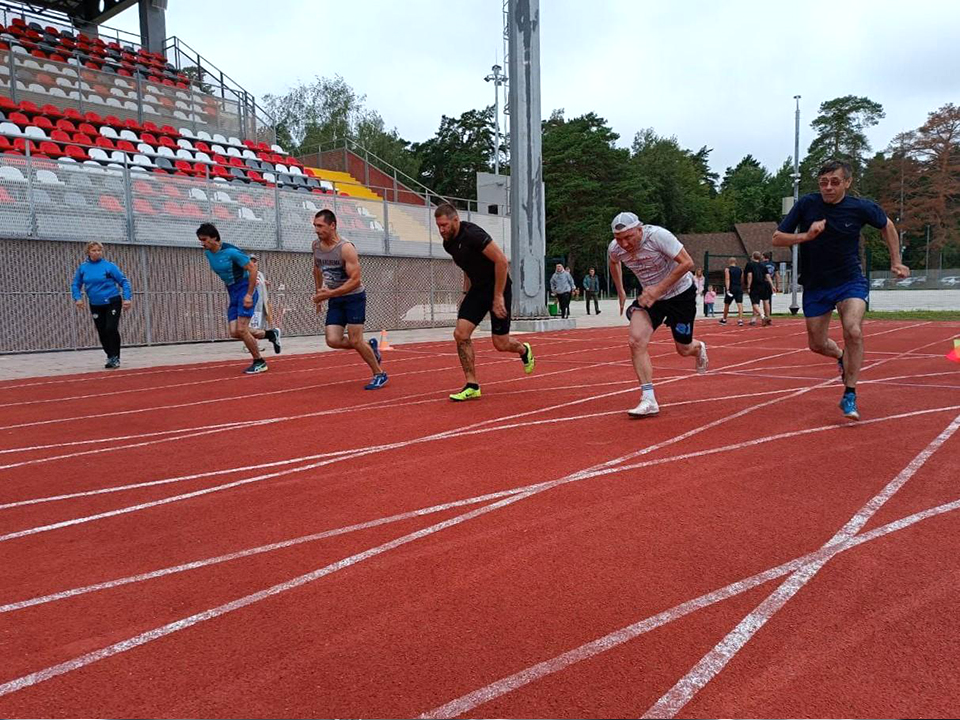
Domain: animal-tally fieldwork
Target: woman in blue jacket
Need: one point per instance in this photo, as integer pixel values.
(103, 282)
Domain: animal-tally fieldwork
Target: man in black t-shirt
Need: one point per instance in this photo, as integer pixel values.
(759, 285)
(486, 288)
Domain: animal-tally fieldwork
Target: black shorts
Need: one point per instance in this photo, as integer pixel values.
(759, 294)
(678, 312)
(735, 295)
(478, 302)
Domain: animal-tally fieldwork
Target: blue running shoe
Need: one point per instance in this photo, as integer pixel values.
(379, 380)
(376, 352)
(848, 403)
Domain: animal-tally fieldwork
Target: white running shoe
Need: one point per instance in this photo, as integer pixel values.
(702, 358)
(647, 406)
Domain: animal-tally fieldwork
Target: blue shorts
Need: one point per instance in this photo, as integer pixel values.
(237, 292)
(347, 309)
(822, 301)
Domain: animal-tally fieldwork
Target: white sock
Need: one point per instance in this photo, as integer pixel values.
(647, 389)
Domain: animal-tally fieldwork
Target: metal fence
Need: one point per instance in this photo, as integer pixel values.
(148, 222)
(70, 85)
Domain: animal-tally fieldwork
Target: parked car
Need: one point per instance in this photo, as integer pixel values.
(878, 282)
(912, 280)
(950, 280)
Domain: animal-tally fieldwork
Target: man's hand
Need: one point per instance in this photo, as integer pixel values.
(499, 307)
(623, 299)
(126, 304)
(900, 270)
(248, 300)
(649, 296)
(816, 228)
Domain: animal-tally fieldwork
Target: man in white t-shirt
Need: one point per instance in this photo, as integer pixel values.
(668, 295)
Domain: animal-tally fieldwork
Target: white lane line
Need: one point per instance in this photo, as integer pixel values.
(716, 659)
(143, 638)
(95, 656)
(439, 508)
(506, 685)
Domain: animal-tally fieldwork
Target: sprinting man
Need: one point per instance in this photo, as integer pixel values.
(827, 227)
(336, 276)
(733, 290)
(239, 274)
(486, 288)
(662, 266)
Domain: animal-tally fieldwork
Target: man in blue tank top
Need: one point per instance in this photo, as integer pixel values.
(240, 277)
(336, 276)
(827, 227)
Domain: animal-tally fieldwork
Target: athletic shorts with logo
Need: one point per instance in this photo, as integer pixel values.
(677, 312)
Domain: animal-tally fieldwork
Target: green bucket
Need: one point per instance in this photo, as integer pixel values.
(553, 309)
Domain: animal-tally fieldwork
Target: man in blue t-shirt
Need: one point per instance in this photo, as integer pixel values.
(827, 227)
(239, 274)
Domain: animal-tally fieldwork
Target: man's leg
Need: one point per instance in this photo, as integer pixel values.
(463, 334)
(335, 338)
(586, 297)
(506, 343)
(726, 309)
(596, 302)
(240, 329)
(356, 341)
(641, 330)
(818, 339)
(851, 317)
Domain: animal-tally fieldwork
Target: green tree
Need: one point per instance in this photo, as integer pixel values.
(748, 188)
(677, 191)
(463, 146)
(840, 128)
(588, 180)
(328, 109)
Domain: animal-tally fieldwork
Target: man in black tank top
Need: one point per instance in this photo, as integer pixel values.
(336, 276)
(733, 290)
(486, 288)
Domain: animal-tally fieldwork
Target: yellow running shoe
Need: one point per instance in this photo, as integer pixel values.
(468, 393)
(529, 363)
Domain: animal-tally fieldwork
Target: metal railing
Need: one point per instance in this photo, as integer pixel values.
(71, 85)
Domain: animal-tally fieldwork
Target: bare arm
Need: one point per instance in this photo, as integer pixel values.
(726, 280)
(616, 272)
(684, 264)
(351, 263)
(502, 267)
(317, 278)
(893, 244)
(250, 267)
(782, 239)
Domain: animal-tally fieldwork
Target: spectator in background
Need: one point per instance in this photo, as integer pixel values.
(262, 310)
(561, 284)
(733, 290)
(759, 286)
(772, 269)
(104, 282)
(709, 298)
(576, 290)
(591, 289)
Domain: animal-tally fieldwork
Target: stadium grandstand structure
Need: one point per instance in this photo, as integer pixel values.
(102, 140)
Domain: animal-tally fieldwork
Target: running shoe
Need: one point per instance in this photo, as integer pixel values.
(379, 380)
(702, 358)
(848, 403)
(468, 393)
(723, 321)
(373, 346)
(740, 322)
(529, 362)
(113, 362)
(647, 406)
(767, 321)
(276, 340)
(258, 366)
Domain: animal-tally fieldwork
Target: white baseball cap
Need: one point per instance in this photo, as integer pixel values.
(624, 221)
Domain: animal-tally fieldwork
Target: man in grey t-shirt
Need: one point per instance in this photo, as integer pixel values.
(668, 295)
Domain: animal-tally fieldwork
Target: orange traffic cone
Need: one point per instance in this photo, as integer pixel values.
(384, 343)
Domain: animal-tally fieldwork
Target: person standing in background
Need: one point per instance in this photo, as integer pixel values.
(104, 282)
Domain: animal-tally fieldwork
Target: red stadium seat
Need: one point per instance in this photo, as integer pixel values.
(50, 148)
(88, 129)
(60, 136)
(110, 204)
(18, 118)
(105, 142)
(142, 206)
(52, 111)
(66, 125)
(151, 128)
(72, 114)
(4, 144)
(93, 118)
(167, 142)
(221, 213)
(29, 108)
(149, 139)
(77, 153)
(126, 146)
(43, 122)
(131, 124)
(141, 187)
(112, 120)
(183, 166)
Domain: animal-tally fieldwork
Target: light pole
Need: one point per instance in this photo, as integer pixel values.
(794, 308)
(497, 78)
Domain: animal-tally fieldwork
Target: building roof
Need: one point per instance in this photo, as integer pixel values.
(756, 237)
(719, 245)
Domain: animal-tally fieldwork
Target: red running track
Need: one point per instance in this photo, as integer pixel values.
(174, 545)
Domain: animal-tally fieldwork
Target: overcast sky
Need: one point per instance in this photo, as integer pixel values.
(720, 74)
